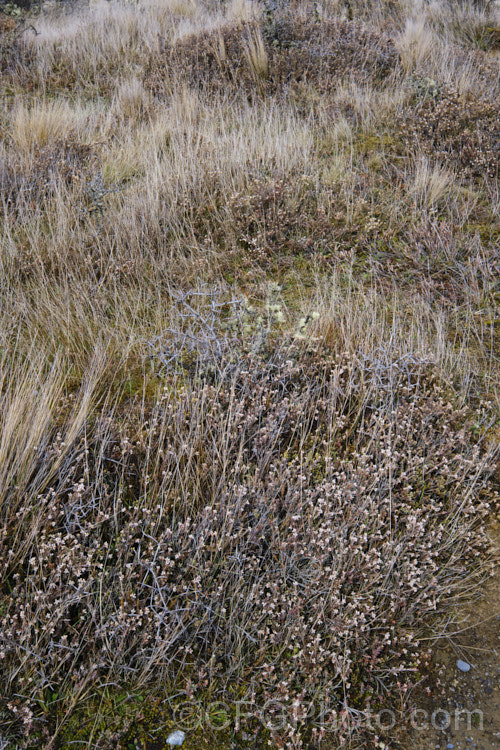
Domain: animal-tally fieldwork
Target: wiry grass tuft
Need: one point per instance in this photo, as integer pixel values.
(431, 183)
(249, 350)
(416, 44)
(42, 124)
(256, 55)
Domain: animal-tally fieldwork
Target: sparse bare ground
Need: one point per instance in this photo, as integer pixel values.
(249, 346)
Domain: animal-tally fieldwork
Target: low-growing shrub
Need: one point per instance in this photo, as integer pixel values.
(285, 530)
(25, 186)
(462, 131)
(286, 52)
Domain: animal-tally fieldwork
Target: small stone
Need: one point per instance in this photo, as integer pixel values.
(175, 739)
(449, 746)
(463, 666)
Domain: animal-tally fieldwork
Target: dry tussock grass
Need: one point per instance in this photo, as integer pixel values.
(41, 124)
(249, 321)
(431, 183)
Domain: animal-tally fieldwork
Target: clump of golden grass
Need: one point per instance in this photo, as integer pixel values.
(42, 123)
(132, 100)
(249, 322)
(416, 44)
(431, 183)
(256, 55)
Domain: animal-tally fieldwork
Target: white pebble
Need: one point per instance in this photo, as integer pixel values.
(463, 666)
(175, 739)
